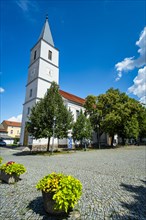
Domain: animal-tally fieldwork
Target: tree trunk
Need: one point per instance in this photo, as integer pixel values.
(112, 140)
(140, 139)
(98, 138)
(48, 145)
(123, 141)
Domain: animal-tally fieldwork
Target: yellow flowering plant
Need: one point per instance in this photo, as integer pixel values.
(13, 168)
(1, 159)
(65, 189)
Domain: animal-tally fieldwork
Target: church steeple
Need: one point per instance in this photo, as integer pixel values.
(46, 33)
(42, 71)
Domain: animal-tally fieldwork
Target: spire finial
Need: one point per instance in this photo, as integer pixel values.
(46, 16)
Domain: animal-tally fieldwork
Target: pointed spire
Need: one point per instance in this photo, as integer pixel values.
(46, 33)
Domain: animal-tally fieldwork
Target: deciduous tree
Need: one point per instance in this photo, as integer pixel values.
(116, 113)
(82, 129)
(41, 119)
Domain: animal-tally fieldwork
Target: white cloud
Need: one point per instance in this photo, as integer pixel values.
(18, 118)
(125, 65)
(23, 4)
(142, 42)
(130, 63)
(1, 90)
(143, 100)
(139, 83)
(27, 5)
(139, 86)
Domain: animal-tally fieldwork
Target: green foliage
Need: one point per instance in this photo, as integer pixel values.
(16, 140)
(142, 122)
(13, 168)
(66, 190)
(115, 113)
(82, 128)
(90, 104)
(1, 159)
(94, 112)
(41, 120)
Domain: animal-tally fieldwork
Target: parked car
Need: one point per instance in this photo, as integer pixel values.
(2, 143)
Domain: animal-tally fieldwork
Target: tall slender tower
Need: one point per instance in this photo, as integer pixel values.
(42, 71)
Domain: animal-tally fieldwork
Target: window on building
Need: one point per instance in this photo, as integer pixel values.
(28, 110)
(77, 114)
(11, 132)
(18, 132)
(35, 54)
(30, 94)
(50, 55)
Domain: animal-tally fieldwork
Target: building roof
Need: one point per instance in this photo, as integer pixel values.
(46, 33)
(12, 123)
(72, 97)
(2, 129)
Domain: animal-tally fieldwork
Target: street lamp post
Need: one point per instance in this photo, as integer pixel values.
(84, 139)
(85, 142)
(54, 119)
(98, 137)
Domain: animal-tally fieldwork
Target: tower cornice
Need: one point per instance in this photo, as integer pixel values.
(43, 60)
(48, 81)
(46, 43)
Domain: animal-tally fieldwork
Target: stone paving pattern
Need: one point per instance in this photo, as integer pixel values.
(114, 184)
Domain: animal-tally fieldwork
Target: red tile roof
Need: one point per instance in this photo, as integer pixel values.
(72, 97)
(12, 123)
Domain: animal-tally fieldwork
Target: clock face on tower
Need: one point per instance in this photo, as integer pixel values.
(50, 73)
(32, 74)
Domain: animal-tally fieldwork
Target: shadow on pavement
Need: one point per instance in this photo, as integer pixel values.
(137, 208)
(37, 206)
(13, 147)
(25, 153)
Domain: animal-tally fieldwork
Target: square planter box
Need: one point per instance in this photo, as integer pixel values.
(49, 204)
(9, 178)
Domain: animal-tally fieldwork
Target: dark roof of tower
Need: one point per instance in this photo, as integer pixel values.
(46, 33)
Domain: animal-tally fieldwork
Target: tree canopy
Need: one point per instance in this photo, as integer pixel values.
(82, 129)
(116, 113)
(41, 119)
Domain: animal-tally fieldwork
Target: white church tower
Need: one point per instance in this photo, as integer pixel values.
(42, 71)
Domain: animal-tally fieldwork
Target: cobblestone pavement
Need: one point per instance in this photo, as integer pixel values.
(114, 184)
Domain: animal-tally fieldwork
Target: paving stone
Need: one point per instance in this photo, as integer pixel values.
(114, 184)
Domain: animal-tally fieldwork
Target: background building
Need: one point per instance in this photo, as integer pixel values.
(12, 128)
(4, 135)
(9, 131)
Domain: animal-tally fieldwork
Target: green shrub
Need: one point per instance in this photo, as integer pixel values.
(1, 159)
(16, 140)
(66, 190)
(13, 168)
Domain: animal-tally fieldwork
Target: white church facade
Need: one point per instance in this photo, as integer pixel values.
(42, 71)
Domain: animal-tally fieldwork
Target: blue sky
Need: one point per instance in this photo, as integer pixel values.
(101, 44)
